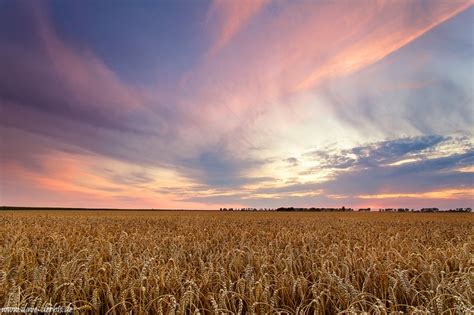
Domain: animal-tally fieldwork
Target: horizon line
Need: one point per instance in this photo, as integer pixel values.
(253, 209)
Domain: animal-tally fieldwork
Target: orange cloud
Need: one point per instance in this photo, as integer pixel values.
(76, 180)
(442, 194)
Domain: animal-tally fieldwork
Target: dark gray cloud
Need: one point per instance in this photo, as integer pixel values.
(328, 159)
(379, 153)
(391, 151)
(217, 167)
(369, 170)
(370, 173)
(415, 177)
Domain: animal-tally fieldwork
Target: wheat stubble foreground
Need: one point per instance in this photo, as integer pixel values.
(237, 263)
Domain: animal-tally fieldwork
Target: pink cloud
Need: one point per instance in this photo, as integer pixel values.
(89, 80)
(308, 42)
(293, 49)
(231, 16)
(392, 30)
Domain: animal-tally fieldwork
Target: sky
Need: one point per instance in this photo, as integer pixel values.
(250, 103)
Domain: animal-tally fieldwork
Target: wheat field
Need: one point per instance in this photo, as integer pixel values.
(237, 263)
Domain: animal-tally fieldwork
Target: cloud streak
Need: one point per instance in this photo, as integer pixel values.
(374, 45)
(231, 16)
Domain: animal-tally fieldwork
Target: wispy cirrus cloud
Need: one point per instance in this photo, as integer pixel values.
(47, 75)
(268, 66)
(295, 54)
(228, 17)
(373, 45)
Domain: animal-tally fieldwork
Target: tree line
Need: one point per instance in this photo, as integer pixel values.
(344, 209)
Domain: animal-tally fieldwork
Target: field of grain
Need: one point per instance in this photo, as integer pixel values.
(236, 263)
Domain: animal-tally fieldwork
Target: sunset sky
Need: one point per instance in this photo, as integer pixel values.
(249, 103)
